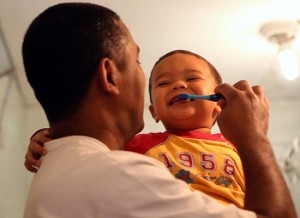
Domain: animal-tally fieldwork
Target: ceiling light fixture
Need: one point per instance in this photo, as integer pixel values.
(283, 33)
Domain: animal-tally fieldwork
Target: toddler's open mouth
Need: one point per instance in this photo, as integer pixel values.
(176, 99)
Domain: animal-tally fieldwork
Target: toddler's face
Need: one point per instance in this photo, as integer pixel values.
(177, 74)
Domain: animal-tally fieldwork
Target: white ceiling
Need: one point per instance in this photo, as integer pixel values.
(225, 32)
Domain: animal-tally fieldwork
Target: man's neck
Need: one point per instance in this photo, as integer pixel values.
(110, 137)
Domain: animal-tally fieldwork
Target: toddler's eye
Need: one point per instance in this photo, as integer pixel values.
(163, 83)
(192, 78)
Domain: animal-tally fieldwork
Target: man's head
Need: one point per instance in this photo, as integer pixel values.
(179, 72)
(83, 66)
(61, 51)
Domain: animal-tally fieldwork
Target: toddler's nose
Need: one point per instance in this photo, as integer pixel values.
(179, 85)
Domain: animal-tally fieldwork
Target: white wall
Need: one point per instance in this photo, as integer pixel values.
(19, 123)
(284, 127)
(13, 183)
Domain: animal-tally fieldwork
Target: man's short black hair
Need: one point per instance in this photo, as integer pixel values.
(61, 50)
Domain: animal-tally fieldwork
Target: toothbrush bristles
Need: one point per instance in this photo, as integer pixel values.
(182, 96)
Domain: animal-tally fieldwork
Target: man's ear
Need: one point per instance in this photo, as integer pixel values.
(154, 115)
(109, 76)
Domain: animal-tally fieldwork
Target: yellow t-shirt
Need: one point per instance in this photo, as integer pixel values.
(206, 162)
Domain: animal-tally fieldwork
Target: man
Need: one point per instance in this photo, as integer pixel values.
(84, 68)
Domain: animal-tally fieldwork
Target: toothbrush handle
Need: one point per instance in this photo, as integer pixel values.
(215, 97)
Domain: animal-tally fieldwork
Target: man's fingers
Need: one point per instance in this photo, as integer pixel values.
(225, 89)
(259, 91)
(243, 85)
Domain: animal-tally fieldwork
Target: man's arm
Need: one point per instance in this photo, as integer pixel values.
(244, 121)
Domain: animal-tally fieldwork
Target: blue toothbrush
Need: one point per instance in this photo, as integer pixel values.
(213, 97)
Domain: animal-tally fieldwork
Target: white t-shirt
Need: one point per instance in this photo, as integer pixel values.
(81, 178)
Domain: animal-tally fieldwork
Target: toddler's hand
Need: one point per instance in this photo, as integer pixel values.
(36, 150)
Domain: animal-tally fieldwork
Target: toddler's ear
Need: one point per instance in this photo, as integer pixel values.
(217, 108)
(153, 113)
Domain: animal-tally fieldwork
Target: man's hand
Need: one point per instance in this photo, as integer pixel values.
(244, 121)
(245, 112)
